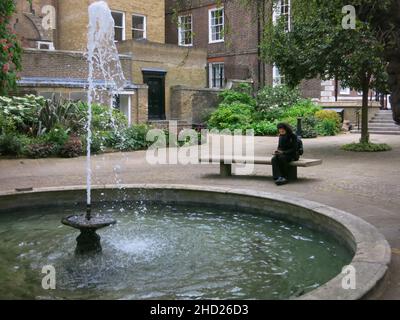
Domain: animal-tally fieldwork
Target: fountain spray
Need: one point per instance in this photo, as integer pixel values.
(104, 65)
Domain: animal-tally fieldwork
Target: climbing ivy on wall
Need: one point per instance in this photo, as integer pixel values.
(10, 49)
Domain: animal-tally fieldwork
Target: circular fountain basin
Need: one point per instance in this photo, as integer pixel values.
(188, 242)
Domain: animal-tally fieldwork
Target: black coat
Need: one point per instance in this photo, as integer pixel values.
(288, 146)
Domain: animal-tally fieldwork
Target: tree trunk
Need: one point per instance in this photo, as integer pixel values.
(394, 63)
(364, 113)
(394, 84)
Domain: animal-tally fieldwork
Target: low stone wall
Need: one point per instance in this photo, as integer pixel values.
(351, 107)
(193, 105)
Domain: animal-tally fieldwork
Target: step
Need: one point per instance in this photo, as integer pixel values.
(382, 121)
(383, 116)
(383, 125)
(379, 132)
(384, 129)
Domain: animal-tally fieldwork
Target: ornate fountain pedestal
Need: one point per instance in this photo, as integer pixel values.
(88, 241)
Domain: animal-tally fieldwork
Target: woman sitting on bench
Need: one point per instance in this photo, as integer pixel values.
(286, 153)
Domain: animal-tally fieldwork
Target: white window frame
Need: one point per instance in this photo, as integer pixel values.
(277, 77)
(210, 72)
(277, 12)
(210, 27)
(123, 24)
(180, 39)
(144, 25)
(50, 44)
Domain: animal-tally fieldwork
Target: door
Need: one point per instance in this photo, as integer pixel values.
(156, 98)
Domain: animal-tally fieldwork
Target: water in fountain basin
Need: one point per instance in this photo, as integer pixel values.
(159, 251)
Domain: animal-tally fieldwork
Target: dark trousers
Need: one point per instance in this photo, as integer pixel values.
(280, 166)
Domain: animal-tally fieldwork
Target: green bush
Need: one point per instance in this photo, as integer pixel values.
(72, 148)
(265, 128)
(232, 96)
(104, 118)
(96, 145)
(23, 112)
(232, 116)
(11, 144)
(327, 127)
(57, 136)
(7, 125)
(309, 127)
(273, 102)
(41, 150)
(303, 108)
(134, 138)
(367, 147)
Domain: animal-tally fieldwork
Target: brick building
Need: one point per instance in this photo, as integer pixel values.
(231, 31)
(230, 34)
(54, 37)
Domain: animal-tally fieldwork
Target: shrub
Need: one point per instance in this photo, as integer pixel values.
(41, 150)
(327, 127)
(231, 116)
(72, 148)
(265, 128)
(57, 136)
(328, 115)
(366, 147)
(232, 96)
(309, 127)
(134, 138)
(11, 144)
(303, 108)
(272, 102)
(23, 111)
(104, 118)
(7, 125)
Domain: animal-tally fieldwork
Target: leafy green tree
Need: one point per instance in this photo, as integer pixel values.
(319, 46)
(10, 49)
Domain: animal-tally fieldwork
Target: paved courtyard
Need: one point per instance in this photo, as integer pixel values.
(367, 185)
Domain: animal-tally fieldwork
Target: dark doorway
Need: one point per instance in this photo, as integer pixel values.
(156, 82)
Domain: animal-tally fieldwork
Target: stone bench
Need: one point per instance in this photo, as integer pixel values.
(227, 162)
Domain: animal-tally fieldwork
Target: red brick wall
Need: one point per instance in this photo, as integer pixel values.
(240, 48)
(60, 64)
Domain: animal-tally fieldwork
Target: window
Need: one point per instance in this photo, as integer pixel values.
(185, 31)
(217, 75)
(119, 29)
(283, 11)
(43, 45)
(138, 27)
(216, 25)
(278, 78)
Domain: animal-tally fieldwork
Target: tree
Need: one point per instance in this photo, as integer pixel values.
(319, 45)
(10, 49)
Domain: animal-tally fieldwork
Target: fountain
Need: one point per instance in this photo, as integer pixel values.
(104, 63)
(178, 242)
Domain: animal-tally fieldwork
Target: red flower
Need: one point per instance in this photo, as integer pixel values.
(6, 68)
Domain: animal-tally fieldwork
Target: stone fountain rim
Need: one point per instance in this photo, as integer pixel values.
(372, 252)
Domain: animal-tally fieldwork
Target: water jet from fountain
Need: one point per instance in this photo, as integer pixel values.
(104, 63)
